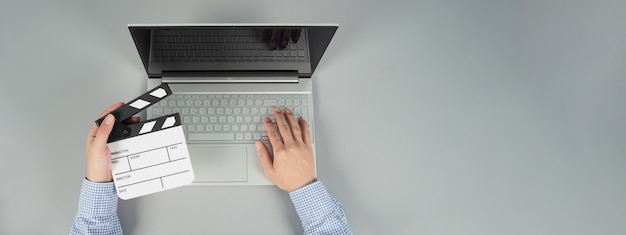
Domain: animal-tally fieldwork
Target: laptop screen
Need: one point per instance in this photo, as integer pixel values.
(197, 50)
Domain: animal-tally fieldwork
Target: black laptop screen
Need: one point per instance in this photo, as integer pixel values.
(197, 49)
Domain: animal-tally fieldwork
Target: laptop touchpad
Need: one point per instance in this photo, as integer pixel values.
(218, 164)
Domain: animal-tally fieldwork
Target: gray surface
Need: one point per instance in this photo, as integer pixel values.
(433, 117)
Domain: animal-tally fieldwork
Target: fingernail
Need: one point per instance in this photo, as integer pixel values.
(267, 119)
(108, 120)
(258, 145)
(277, 109)
(287, 110)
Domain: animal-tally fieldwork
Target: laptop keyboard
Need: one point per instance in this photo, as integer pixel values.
(228, 45)
(229, 118)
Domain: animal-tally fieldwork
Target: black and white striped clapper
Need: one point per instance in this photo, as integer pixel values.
(122, 131)
(149, 156)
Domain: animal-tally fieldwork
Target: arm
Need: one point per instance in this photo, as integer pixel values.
(319, 212)
(293, 169)
(97, 206)
(97, 210)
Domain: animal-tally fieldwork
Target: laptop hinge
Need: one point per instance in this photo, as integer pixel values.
(233, 77)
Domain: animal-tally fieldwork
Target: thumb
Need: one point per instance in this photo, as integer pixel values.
(266, 161)
(103, 131)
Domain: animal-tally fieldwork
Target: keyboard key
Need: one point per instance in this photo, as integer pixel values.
(211, 136)
(269, 103)
(305, 114)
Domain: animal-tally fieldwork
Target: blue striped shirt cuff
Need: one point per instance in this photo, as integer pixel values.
(97, 198)
(319, 211)
(97, 210)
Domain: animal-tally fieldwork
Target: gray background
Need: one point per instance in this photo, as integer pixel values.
(433, 117)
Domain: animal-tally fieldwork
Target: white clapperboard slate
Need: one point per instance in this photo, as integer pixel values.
(149, 156)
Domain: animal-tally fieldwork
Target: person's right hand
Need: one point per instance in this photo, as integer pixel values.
(293, 166)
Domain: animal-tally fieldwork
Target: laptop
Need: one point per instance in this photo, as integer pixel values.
(225, 79)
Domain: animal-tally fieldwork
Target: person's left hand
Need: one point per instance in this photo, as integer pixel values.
(98, 154)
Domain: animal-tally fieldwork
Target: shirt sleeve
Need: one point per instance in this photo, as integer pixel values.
(319, 212)
(97, 210)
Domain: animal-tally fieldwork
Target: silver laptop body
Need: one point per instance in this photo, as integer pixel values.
(226, 78)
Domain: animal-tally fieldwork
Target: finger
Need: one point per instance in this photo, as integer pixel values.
(94, 127)
(132, 120)
(275, 38)
(92, 134)
(306, 132)
(103, 132)
(265, 35)
(110, 109)
(284, 38)
(295, 35)
(272, 133)
(266, 161)
(283, 126)
(293, 125)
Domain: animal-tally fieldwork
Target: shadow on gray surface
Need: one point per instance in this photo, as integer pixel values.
(127, 211)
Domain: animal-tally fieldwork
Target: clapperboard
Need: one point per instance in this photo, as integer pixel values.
(149, 156)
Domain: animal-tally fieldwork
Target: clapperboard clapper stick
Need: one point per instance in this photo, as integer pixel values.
(149, 156)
